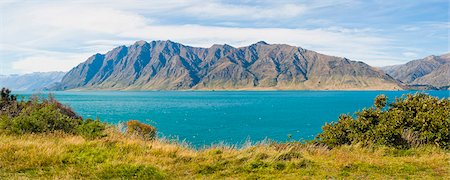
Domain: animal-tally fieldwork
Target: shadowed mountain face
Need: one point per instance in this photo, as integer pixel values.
(173, 66)
(432, 70)
(31, 82)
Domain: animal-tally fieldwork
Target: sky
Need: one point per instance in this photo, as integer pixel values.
(50, 35)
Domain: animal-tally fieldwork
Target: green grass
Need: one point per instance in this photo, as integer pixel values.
(63, 156)
(43, 139)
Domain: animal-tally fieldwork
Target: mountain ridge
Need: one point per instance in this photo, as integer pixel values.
(167, 65)
(431, 70)
(35, 81)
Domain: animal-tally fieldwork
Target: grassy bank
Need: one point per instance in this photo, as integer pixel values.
(117, 155)
(409, 138)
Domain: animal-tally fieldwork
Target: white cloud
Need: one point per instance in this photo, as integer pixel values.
(210, 10)
(48, 62)
(60, 20)
(82, 32)
(98, 20)
(51, 35)
(410, 55)
(349, 30)
(7, 2)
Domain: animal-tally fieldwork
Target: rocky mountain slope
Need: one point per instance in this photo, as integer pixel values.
(172, 66)
(31, 82)
(431, 70)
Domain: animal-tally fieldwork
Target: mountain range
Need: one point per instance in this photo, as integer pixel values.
(431, 70)
(166, 65)
(31, 82)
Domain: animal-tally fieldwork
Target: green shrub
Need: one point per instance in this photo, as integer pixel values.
(91, 129)
(380, 101)
(409, 121)
(143, 130)
(38, 118)
(39, 115)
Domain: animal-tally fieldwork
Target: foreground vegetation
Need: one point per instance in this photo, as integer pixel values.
(410, 121)
(69, 156)
(95, 150)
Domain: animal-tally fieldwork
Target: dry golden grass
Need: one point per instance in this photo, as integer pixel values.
(63, 156)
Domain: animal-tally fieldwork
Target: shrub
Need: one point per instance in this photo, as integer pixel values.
(44, 115)
(380, 101)
(6, 96)
(91, 129)
(38, 118)
(409, 121)
(9, 105)
(143, 130)
(66, 110)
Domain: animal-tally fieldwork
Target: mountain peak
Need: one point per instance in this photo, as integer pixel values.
(97, 55)
(261, 43)
(445, 56)
(140, 43)
(221, 45)
(170, 42)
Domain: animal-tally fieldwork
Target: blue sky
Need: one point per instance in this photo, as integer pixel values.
(57, 35)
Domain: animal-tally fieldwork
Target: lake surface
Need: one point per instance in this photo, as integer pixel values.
(231, 117)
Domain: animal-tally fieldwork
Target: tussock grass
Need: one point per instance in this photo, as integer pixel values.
(65, 156)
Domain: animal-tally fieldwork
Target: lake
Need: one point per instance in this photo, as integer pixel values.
(230, 117)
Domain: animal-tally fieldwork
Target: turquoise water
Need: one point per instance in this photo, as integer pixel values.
(232, 117)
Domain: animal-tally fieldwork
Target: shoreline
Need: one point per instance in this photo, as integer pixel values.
(238, 90)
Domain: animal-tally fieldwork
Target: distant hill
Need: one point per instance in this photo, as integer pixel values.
(30, 82)
(431, 70)
(166, 65)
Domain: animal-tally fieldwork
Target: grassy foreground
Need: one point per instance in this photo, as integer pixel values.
(43, 139)
(64, 156)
